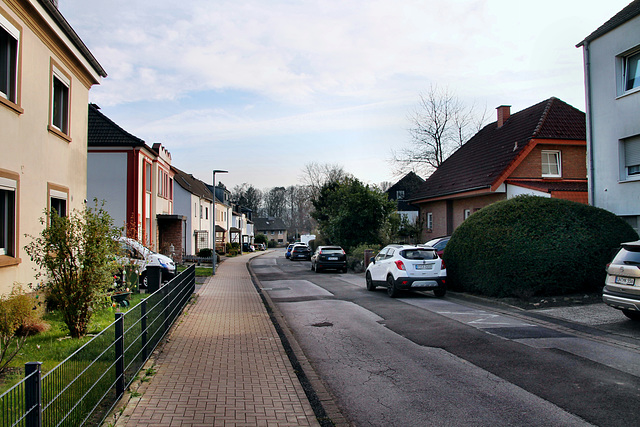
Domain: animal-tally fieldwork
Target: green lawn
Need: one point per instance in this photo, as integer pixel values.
(55, 345)
(200, 271)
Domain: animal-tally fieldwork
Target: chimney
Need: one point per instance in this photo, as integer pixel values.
(504, 111)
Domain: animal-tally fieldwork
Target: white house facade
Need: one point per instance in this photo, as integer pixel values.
(612, 83)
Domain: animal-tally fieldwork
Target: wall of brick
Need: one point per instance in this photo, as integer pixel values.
(573, 158)
(170, 233)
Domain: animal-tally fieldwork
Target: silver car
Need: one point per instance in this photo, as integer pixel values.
(622, 286)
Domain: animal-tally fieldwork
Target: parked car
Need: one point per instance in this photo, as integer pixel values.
(246, 247)
(300, 251)
(287, 254)
(438, 244)
(622, 285)
(145, 257)
(329, 257)
(407, 267)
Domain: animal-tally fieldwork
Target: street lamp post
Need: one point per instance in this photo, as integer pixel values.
(213, 214)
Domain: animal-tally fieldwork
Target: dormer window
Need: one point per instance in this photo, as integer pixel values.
(551, 164)
(400, 195)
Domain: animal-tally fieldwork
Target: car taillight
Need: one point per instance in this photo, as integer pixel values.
(443, 266)
(400, 265)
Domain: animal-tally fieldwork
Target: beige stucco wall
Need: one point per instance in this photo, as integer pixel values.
(39, 157)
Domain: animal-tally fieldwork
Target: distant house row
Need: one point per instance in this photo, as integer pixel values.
(138, 183)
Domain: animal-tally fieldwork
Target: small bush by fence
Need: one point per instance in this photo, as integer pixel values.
(85, 387)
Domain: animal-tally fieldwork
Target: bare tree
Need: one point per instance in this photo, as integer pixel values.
(315, 175)
(440, 125)
(275, 202)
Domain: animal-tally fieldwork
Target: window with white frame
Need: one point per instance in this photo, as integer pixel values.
(551, 164)
(631, 152)
(60, 85)
(631, 71)
(429, 221)
(467, 213)
(400, 195)
(8, 189)
(9, 43)
(58, 202)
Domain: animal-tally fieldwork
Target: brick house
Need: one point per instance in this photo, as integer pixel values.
(540, 150)
(274, 228)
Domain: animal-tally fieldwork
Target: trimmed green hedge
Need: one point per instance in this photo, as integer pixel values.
(529, 245)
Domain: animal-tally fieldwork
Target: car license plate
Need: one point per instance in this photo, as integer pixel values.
(629, 281)
(332, 258)
(424, 266)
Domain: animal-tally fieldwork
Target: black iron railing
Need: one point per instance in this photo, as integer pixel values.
(85, 387)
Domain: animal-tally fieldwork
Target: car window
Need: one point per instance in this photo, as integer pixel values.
(390, 253)
(419, 254)
(381, 254)
(441, 244)
(332, 251)
(625, 256)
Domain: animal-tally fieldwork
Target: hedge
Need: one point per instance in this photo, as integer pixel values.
(534, 246)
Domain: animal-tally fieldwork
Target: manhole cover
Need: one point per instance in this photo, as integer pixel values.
(322, 324)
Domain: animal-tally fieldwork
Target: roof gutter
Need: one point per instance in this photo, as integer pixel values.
(441, 196)
(587, 88)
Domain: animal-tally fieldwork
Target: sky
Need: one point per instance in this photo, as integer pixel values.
(261, 88)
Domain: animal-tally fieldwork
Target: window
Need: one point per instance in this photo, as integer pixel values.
(632, 71)
(58, 200)
(60, 84)
(206, 213)
(551, 164)
(9, 40)
(429, 221)
(8, 189)
(631, 148)
(200, 211)
(467, 213)
(400, 195)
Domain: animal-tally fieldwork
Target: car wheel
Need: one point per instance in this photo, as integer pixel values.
(439, 292)
(633, 315)
(370, 285)
(143, 280)
(392, 291)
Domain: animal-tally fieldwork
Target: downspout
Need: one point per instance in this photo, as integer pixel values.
(590, 156)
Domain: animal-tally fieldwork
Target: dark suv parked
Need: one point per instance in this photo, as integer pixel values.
(300, 252)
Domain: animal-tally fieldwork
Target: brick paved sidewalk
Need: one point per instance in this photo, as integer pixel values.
(224, 364)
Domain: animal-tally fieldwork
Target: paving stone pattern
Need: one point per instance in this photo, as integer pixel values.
(224, 364)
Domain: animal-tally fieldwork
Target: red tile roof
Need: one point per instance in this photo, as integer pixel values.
(480, 162)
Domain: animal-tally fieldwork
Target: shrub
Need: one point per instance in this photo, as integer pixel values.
(530, 245)
(272, 244)
(261, 238)
(19, 317)
(205, 253)
(355, 258)
(76, 256)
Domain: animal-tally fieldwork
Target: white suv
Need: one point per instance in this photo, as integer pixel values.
(406, 267)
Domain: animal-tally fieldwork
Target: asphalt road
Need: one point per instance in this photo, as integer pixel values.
(423, 361)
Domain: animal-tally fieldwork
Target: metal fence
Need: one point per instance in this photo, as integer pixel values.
(85, 387)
